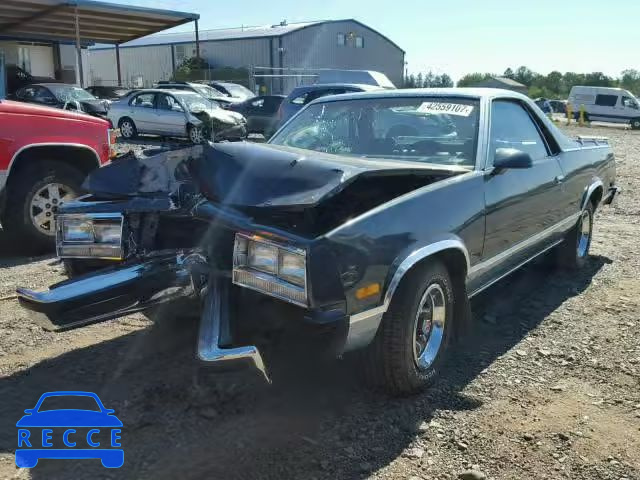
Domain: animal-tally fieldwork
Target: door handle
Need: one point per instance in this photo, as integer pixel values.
(559, 179)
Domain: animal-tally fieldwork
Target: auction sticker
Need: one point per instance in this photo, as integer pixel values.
(448, 108)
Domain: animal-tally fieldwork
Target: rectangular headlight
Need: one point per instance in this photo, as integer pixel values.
(270, 267)
(90, 236)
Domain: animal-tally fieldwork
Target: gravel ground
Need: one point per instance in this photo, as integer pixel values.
(546, 385)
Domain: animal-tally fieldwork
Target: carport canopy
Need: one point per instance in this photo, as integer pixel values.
(97, 22)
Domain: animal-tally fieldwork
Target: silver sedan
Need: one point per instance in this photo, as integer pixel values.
(175, 114)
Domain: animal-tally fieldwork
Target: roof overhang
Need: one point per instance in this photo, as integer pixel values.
(99, 22)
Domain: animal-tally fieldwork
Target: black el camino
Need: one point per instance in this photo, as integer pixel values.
(366, 222)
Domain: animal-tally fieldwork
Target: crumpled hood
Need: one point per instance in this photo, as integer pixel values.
(245, 174)
(95, 106)
(256, 175)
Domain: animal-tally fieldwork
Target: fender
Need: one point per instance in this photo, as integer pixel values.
(588, 191)
(52, 144)
(364, 325)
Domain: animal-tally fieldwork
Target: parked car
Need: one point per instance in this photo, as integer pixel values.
(108, 93)
(65, 96)
(261, 113)
(303, 95)
(233, 90)
(175, 113)
(45, 154)
(17, 77)
(606, 104)
(374, 242)
(559, 106)
(204, 90)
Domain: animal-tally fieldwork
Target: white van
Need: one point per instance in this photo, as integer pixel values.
(605, 104)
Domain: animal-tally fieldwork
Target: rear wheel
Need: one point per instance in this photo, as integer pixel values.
(33, 199)
(415, 332)
(127, 128)
(574, 251)
(635, 124)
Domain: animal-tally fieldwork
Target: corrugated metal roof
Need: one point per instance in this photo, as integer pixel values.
(218, 34)
(98, 21)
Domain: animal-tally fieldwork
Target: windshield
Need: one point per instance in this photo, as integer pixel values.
(440, 130)
(206, 90)
(238, 91)
(196, 102)
(68, 402)
(68, 92)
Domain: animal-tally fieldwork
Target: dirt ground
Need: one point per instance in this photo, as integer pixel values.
(545, 386)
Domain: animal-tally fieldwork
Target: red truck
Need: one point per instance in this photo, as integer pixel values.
(45, 154)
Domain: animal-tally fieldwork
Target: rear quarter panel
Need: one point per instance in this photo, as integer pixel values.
(584, 167)
(375, 243)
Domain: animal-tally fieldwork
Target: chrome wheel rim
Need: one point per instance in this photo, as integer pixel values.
(428, 331)
(195, 134)
(126, 129)
(584, 234)
(45, 204)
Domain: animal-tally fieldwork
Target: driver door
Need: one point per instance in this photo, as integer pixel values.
(522, 205)
(170, 116)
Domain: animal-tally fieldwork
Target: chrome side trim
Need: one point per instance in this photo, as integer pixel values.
(495, 280)
(483, 267)
(589, 190)
(364, 325)
(216, 311)
(52, 144)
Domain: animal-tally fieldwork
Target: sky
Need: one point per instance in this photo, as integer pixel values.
(461, 36)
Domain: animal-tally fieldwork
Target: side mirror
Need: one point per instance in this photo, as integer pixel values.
(511, 158)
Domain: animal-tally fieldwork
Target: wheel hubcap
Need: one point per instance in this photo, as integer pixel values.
(45, 203)
(196, 135)
(126, 129)
(584, 234)
(428, 331)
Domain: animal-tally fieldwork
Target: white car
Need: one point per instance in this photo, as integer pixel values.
(175, 114)
(606, 104)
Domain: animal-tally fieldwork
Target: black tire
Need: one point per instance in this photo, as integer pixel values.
(18, 218)
(128, 133)
(390, 362)
(571, 255)
(635, 124)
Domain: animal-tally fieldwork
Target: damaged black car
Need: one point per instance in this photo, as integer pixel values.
(371, 218)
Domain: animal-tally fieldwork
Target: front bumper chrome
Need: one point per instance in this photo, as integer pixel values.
(215, 319)
(611, 195)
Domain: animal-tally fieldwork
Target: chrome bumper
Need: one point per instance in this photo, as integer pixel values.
(611, 195)
(215, 319)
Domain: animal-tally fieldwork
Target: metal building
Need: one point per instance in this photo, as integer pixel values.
(291, 52)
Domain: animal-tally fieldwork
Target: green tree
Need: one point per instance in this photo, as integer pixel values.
(190, 69)
(630, 80)
(443, 81)
(472, 79)
(508, 73)
(419, 80)
(598, 79)
(525, 76)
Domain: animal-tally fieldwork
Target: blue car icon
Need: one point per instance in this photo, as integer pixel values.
(76, 428)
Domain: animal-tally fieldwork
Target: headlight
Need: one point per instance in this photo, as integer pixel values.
(271, 268)
(90, 236)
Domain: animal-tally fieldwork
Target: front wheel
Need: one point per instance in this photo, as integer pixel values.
(413, 339)
(574, 251)
(33, 199)
(196, 135)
